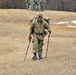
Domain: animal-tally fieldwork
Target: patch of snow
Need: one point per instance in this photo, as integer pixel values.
(74, 21)
(62, 23)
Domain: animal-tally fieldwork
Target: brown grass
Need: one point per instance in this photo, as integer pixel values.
(14, 30)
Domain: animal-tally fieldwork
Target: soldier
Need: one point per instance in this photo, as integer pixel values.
(36, 5)
(27, 4)
(42, 5)
(31, 4)
(37, 30)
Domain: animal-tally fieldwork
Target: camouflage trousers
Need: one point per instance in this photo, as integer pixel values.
(37, 46)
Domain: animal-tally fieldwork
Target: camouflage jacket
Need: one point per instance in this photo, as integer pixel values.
(38, 27)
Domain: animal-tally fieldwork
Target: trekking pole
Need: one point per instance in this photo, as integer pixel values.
(47, 46)
(27, 50)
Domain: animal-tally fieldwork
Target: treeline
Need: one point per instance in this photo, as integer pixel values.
(10, 4)
(64, 5)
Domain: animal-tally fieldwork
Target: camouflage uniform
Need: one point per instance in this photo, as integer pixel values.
(42, 5)
(27, 4)
(37, 29)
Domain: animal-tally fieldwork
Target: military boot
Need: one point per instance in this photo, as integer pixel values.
(34, 57)
(40, 57)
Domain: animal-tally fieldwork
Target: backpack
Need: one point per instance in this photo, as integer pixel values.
(47, 19)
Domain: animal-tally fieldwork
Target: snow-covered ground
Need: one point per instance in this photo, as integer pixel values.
(74, 21)
(62, 23)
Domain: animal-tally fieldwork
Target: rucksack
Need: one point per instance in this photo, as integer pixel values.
(47, 19)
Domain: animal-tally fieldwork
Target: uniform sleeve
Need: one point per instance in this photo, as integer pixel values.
(47, 27)
(32, 28)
